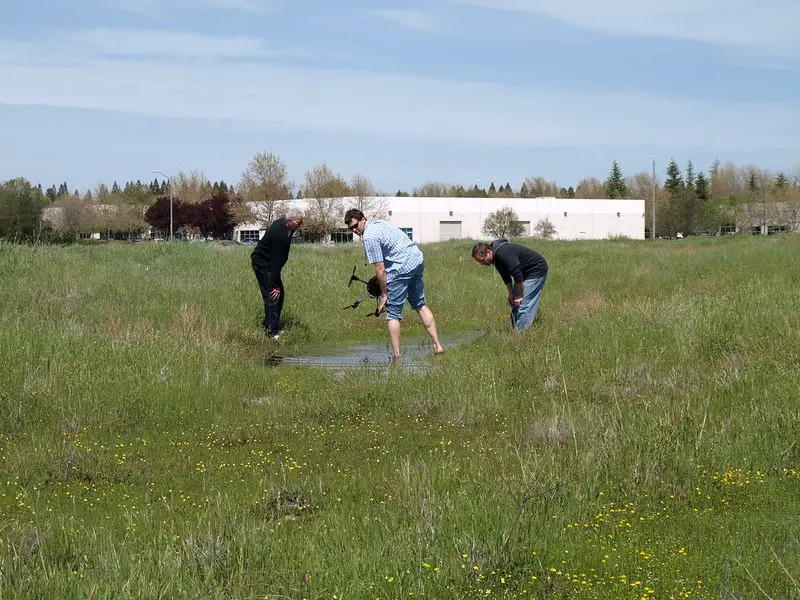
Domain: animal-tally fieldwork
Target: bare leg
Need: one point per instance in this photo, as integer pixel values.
(430, 325)
(394, 336)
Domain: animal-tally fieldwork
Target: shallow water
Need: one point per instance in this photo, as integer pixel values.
(416, 353)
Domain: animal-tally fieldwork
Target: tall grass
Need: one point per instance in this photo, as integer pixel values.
(641, 441)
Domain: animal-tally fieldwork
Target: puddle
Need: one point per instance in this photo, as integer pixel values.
(416, 353)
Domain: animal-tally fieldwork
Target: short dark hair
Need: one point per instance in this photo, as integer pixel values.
(480, 250)
(353, 213)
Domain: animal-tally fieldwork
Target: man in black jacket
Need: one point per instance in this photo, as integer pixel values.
(524, 273)
(268, 259)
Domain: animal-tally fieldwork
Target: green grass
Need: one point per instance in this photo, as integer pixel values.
(640, 441)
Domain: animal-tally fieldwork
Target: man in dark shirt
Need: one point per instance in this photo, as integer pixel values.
(268, 259)
(524, 273)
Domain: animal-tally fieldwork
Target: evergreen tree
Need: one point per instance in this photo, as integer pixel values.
(115, 188)
(688, 204)
(492, 190)
(689, 179)
(63, 190)
(752, 182)
(52, 193)
(615, 186)
(674, 211)
(523, 190)
(570, 192)
(674, 183)
(781, 180)
(701, 187)
(508, 189)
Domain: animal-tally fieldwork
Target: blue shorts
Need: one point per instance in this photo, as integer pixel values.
(400, 287)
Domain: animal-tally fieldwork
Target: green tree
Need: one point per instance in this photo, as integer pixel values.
(503, 223)
(674, 183)
(614, 186)
(781, 181)
(324, 191)
(21, 206)
(266, 181)
(701, 187)
(545, 229)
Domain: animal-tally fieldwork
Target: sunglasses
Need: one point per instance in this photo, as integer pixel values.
(353, 226)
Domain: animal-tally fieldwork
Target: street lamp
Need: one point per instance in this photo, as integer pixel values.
(653, 207)
(170, 199)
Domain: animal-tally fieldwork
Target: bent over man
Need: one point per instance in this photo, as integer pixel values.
(524, 272)
(268, 259)
(399, 265)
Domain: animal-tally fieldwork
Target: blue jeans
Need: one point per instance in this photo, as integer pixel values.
(523, 315)
(400, 287)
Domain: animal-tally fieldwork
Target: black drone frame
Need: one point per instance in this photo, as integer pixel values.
(373, 291)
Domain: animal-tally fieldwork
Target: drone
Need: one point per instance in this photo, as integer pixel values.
(373, 291)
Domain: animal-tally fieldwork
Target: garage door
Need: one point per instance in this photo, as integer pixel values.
(449, 230)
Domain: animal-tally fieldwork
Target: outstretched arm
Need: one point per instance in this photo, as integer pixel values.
(380, 273)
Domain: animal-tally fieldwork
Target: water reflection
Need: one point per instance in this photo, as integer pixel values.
(416, 349)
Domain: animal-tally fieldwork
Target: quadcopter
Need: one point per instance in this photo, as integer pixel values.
(373, 291)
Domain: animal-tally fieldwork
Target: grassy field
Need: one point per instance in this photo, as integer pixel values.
(641, 441)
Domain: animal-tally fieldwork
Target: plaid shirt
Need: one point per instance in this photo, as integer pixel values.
(383, 242)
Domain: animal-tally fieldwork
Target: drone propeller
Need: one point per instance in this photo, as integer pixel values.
(352, 278)
(353, 305)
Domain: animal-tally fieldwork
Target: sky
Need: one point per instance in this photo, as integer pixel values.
(460, 91)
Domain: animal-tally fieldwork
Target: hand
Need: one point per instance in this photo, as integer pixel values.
(511, 300)
(382, 303)
(275, 293)
(516, 302)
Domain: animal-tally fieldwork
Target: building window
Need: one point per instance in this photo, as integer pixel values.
(409, 231)
(727, 229)
(773, 229)
(341, 236)
(565, 213)
(247, 236)
(755, 230)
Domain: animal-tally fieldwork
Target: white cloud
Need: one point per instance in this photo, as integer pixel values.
(151, 42)
(409, 18)
(768, 26)
(142, 43)
(152, 7)
(384, 105)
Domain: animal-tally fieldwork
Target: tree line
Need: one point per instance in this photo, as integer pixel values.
(688, 200)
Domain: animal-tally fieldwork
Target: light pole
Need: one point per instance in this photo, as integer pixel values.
(170, 199)
(653, 207)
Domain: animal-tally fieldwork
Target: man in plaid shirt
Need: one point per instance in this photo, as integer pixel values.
(399, 266)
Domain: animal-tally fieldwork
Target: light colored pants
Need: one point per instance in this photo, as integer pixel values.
(522, 316)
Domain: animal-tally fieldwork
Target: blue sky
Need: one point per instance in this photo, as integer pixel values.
(405, 92)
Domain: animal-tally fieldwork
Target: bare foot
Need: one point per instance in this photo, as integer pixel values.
(438, 351)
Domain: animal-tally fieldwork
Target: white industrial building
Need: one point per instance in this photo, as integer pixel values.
(438, 219)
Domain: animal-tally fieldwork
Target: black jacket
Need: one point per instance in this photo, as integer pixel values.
(272, 251)
(517, 262)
